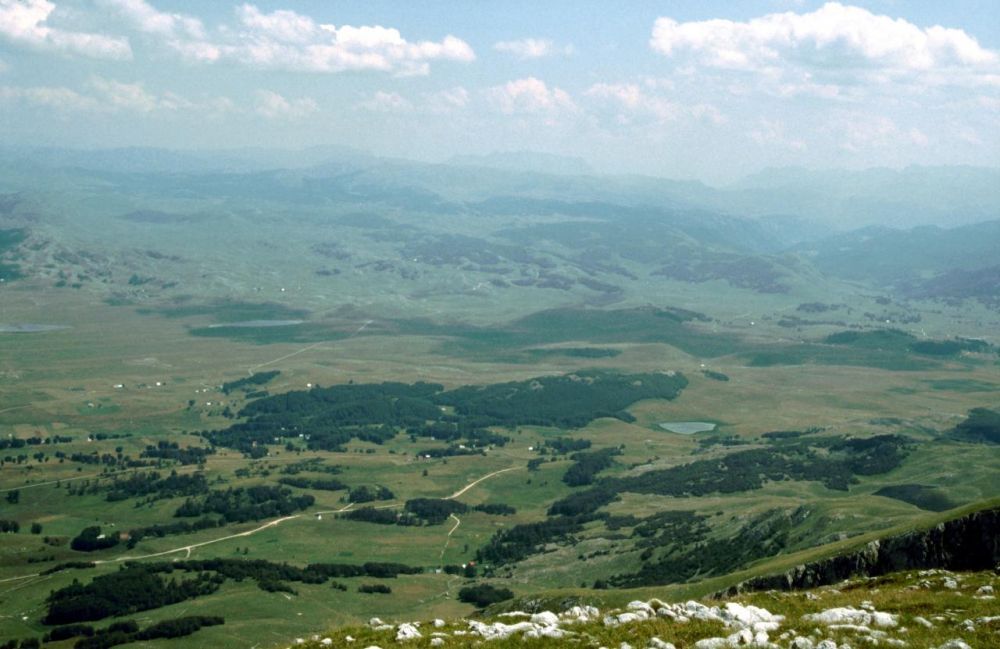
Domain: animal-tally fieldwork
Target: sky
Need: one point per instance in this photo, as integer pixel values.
(695, 89)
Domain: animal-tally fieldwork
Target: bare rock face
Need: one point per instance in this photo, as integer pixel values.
(971, 542)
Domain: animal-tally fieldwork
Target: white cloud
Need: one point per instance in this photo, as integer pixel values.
(110, 96)
(632, 100)
(526, 48)
(771, 132)
(967, 134)
(152, 21)
(529, 95)
(180, 32)
(918, 137)
(281, 39)
(835, 39)
(387, 102)
(124, 96)
(27, 22)
(628, 95)
(287, 40)
(447, 100)
(60, 98)
(271, 105)
(857, 131)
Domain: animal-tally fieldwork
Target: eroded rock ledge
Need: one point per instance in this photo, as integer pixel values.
(971, 542)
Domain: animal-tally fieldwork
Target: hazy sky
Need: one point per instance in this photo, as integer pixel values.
(684, 89)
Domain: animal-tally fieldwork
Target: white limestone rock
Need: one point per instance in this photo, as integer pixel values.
(642, 608)
(954, 644)
(656, 643)
(712, 643)
(580, 614)
(407, 631)
(856, 616)
(545, 618)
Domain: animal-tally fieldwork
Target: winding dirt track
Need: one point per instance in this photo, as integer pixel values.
(278, 521)
(474, 483)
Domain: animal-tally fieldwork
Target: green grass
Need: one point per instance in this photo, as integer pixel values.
(448, 326)
(907, 595)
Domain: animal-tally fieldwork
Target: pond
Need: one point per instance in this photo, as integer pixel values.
(688, 427)
(247, 324)
(28, 328)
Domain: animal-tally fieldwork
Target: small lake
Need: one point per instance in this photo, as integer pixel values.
(27, 328)
(248, 324)
(688, 427)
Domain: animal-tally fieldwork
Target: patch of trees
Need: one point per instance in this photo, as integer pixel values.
(259, 378)
(68, 565)
(16, 442)
(715, 376)
(372, 515)
(107, 459)
(244, 504)
(451, 451)
(705, 443)
(981, 426)
(895, 339)
(779, 435)
(684, 553)
(496, 509)
(9, 526)
(314, 573)
(434, 511)
(90, 539)
(949, 347)
(67, 632)
(140, 587)
(482, 595)
(833, 461)
(520, 541)
(366, 494)
(380, 589)
(328, 418)
(321, 484)
(275, 586)
(151, 484)
(569, 401)
(312, 465)
(171, 451)
(423, 511)
(583, 502)
(166, 529)
(563, 445)
(587, 465)
(126, 632)
(132, 589)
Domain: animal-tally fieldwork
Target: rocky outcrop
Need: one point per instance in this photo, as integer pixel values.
(971, 542)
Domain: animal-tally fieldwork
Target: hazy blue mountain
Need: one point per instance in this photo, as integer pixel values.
(904, 257)
(945, 196)
(546, 163)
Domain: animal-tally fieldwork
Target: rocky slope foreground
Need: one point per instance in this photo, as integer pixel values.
(931, 608)
(970, 542)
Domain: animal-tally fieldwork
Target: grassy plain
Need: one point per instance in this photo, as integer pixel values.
(143, 360)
